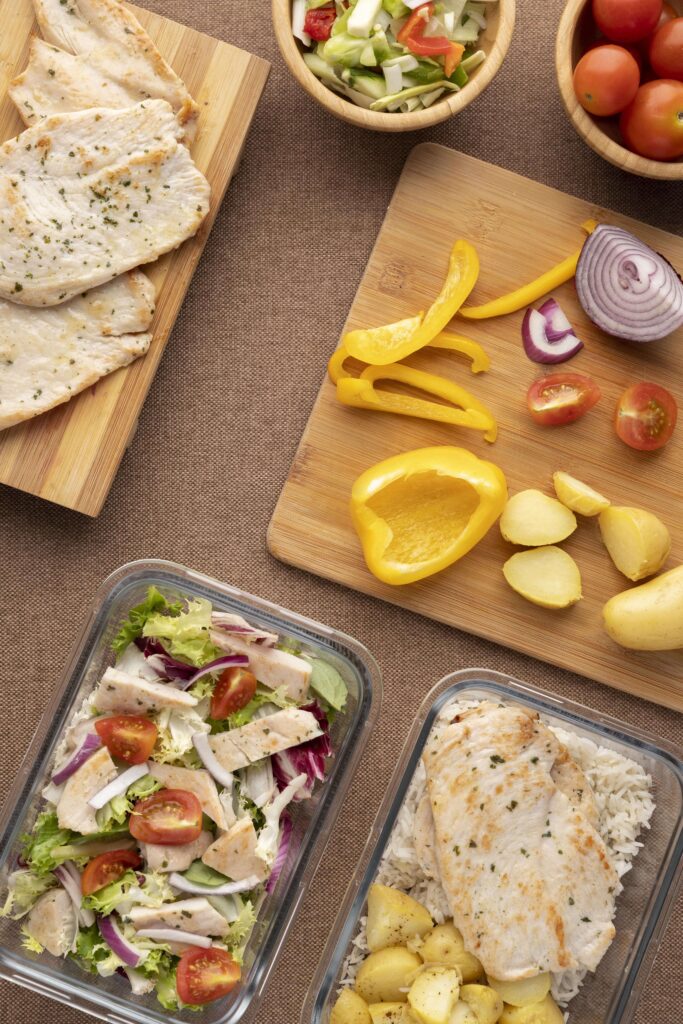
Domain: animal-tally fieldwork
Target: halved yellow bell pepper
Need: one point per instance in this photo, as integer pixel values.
(419, 512)
(465, 410)
(450, 342)
(531, 292)
(392, 342)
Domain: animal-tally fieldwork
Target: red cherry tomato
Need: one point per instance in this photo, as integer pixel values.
(561, 398)
(627, 21)
(206, 974)
(106, 868)
(646, 416)
(170, 817)
(233, 691)
(606, 80)
(665, 51)
(319, 21)
(652, 124)
(128, 737)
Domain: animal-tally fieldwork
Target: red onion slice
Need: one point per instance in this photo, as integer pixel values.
(225, 661)
(119, 785)
(88, 746)
(210, 761)
(537, 344)
(70, 879)
(626, 288)
(118, 943)
(557, 325)
(174, 935)
(228, 889)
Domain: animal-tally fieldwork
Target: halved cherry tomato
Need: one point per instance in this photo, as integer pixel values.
(170, 817)
(665, 51)
(606, 79)
(233, 691)
(128, 737)
(627, 21)
(652, 124)
(206, 974)
(561, 398)
(106, 868)
(646, 416)
(319, 21)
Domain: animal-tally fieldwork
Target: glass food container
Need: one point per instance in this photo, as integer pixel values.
(110, 999)
(611, 994)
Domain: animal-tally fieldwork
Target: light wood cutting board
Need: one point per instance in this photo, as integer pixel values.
(71, 455)
(520, 229)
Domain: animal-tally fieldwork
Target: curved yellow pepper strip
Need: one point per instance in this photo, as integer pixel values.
(392, 342)
(532, 292)
(335, 366)
(446, 341)
(468, 412)
(419, 512)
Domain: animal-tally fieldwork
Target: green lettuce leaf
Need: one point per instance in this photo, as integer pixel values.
(244, 716)
(40, 846)
(201, 874)
(28, 942)
(128, 891)
(239, 931)
(328, 684)
(115, 813)
(132, 628)
(166, 988)
(185, 636)
(24, 888)
(174, 741)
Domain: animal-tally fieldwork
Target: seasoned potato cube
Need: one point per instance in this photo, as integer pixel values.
(386, 1013)
(545, 1012)
(350, 1009)
(445, 945)
(533, 519)
(577, 496)
(394, 918)
(384, 973)
(546, 576)
(637, 541)
(433, 995)
(484, 1002)
(462, 1014)
(523, 992)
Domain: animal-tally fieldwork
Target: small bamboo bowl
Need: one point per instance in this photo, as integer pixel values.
(495, 41)
(574, 34)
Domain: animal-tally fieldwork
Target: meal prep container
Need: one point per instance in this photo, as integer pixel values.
(106, 999)
(609, 996)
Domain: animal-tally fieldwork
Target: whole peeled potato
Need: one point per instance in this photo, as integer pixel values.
(648, 617)
(637, 541)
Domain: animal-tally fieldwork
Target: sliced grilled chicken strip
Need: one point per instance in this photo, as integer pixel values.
(52, 922)
(73, 809)
(272, 667)
(195, 915)
(130, 695)
(234, 853)
(175, 858)
(264, 736)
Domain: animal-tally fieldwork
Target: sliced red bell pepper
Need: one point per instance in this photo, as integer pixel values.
(416, 23)
(319, 21)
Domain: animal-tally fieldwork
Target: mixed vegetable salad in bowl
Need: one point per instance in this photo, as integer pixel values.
(391, 56)
(167, 822)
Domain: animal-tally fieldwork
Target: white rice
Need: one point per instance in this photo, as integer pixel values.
(622, 794)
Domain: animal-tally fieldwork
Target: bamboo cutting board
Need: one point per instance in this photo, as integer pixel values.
(71, 455)
(521, 229)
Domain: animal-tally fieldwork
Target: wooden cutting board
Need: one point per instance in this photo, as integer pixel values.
(71, 455)
(520, 229)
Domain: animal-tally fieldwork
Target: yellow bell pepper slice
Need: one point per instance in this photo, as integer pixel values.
(419, 512)
(532, 292)
(450, 342)
(465, 410)
(392, 342)
(335, 366)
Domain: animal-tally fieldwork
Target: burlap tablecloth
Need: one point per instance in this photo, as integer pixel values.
(226, 411)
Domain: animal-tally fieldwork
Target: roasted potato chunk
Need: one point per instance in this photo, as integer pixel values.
(384, 973)
(394, 918)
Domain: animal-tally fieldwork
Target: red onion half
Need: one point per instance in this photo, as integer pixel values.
(626, 288)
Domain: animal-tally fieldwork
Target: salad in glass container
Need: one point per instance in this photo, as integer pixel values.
(391, 55)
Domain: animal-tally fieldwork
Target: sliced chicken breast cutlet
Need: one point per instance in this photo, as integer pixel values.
(48, 355)
(511, 845)
(96, 54)
(87, 196)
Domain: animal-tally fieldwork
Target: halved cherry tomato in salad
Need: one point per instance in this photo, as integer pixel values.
(233, 691)
(627, 21)
(646, 416)
(106, 868)
(319, 21)
(206, 974)
(170, 817)
(561, 398)
(128, 737)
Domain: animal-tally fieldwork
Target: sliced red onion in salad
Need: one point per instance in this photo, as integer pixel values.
(213, 766)
(228, 889)
(230, 623)
(537, 343)
(127, 951)
(174, 935)
(557, 325)
(162, 662)
(69, 878)
(225, 661)
(86, 748)
(626, 288)
(282, 851)
(308, 758)
(118, 786)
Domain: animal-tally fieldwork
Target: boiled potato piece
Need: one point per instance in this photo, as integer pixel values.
(648, 617)
(577, 496)
(637, 541)
(394, 918)
(533, 519)
(545, 1012)
(484, 1002)
(433, 995)
(386, 1013)
(383, 974)
(462, 1014)
(523, 992)
(444, 945)
(547, 576)
(350, 1009)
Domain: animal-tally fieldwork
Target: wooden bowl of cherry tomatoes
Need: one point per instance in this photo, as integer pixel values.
(620, 71)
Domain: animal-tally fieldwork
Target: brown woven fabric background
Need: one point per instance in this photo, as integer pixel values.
(225, 414)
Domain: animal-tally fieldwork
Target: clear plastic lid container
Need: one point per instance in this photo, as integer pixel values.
(611, 994)
(110, 999)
